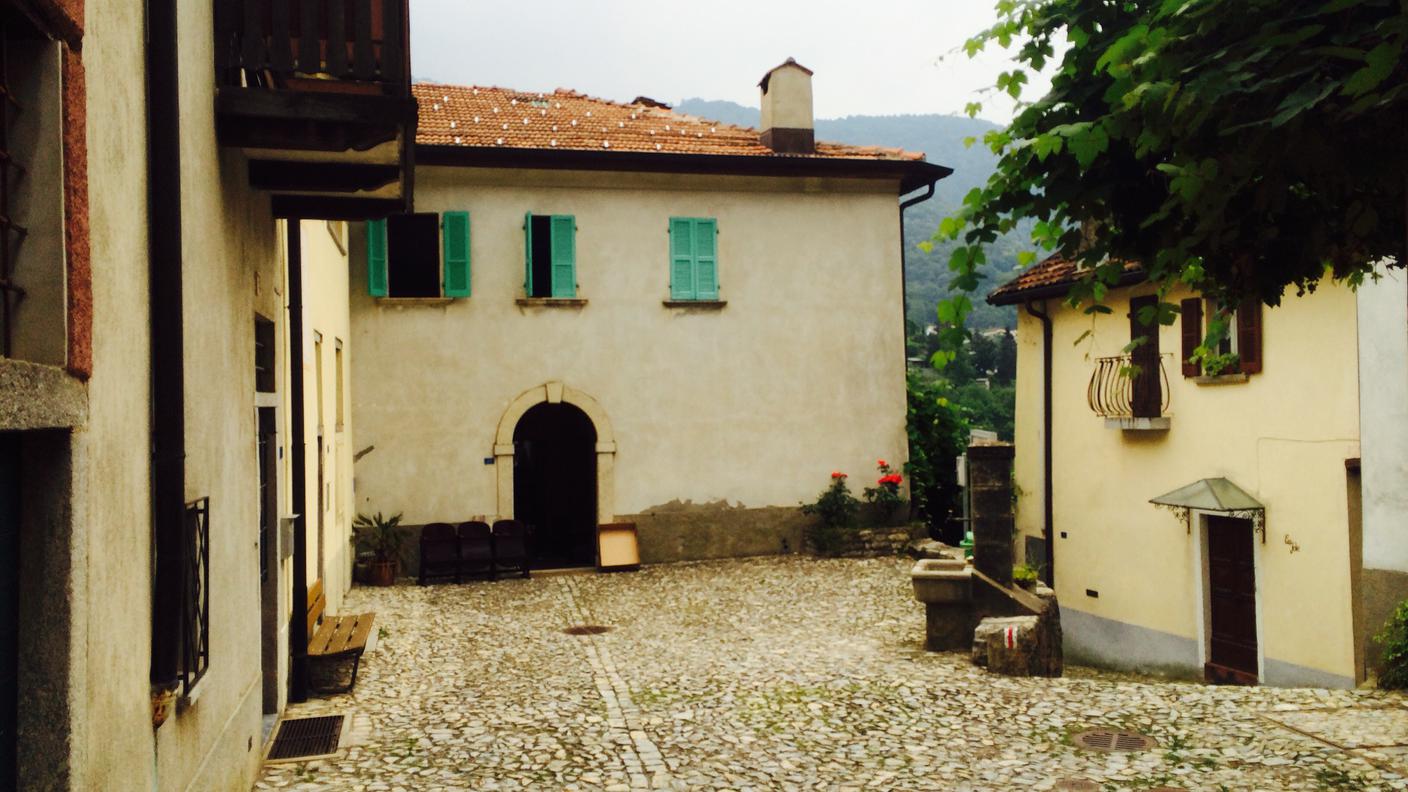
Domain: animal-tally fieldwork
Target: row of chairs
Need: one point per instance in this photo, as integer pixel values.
(472, 549)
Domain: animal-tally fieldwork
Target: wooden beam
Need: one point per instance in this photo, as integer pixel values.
(320, 177)
(347, 108)
(317, 207)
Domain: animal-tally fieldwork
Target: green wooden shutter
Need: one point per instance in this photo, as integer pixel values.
(681, 258)
(376, 258)
(706, 262)
(528, 254)
(564, 255)
(454, 235)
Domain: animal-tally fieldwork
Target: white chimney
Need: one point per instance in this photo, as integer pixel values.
(787, 109)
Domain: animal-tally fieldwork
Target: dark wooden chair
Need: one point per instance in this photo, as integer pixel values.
(476, 550)
(439, 553)
(510, 547)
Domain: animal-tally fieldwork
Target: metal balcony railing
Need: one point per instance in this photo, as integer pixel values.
(195, 595)
(1125, 386)
(351, 40)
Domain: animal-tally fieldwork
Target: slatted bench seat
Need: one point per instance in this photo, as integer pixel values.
(336, 646)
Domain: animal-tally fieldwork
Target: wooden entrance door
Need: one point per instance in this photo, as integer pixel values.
(1232, 648)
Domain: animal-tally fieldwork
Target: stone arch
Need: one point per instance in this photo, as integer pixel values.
(557, 393)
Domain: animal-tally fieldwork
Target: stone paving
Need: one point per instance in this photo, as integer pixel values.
(787, 673)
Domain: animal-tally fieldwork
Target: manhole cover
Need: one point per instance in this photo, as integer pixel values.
(586, 629)
(1110, 740)
(303, 737)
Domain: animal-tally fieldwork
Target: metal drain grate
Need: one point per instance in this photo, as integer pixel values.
(300, 737)
(1110, 741)
(586, 629)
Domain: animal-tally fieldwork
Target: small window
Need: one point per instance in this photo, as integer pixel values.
(694, 264)
(550, 256)
(338, 372)
(263, 355)
(419, 256)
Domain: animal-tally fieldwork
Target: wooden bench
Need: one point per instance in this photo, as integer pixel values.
(334, 643)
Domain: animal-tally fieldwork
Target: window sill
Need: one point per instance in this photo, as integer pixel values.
(1221, 379)
(551, 302)
(698, 305)
(405, 301)
(1160, 424)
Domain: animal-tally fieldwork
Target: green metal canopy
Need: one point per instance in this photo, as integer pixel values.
(1210, 494)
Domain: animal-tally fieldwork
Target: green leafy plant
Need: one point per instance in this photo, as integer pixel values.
(1023, 574)
(1394, 640)
(1166, 130)
(380, 535)
(836, 510)
(1216, 365)
(938, 433)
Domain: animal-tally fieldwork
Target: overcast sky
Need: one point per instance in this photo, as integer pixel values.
(878, 57)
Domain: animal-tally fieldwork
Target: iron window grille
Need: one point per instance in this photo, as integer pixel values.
(195, 595)
(11, 234)
(1119, 388)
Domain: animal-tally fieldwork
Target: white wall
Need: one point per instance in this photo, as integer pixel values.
(1383, 410)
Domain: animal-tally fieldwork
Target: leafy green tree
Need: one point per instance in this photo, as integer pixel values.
(1242, 147)
(984, 353)
(938, 434)
(1006, 368)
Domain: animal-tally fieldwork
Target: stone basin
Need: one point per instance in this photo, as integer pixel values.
(942, 580)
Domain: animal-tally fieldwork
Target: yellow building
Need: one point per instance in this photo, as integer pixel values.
(611, 312)
(1200, 522)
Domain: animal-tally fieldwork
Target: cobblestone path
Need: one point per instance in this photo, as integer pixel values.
(786, 673)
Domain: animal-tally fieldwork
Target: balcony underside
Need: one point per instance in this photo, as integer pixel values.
(322, 154)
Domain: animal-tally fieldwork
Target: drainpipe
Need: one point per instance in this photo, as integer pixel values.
(298, 625)
(1048, 530)
(168, 410)
(904, 272)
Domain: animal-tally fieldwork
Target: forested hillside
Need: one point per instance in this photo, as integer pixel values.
(941, 139)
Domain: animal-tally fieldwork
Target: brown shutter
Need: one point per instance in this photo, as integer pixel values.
(1249, 336)
(1192, 334)
(1146, 393)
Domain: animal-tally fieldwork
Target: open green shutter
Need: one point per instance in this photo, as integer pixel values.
(563, 231)
(454, 235)
(376, 258)
(681, 258)
(528, 254)
(706, 262)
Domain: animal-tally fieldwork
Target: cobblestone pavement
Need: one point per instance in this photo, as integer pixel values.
(785, 673)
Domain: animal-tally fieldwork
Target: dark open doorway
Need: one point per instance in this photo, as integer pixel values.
(9, 606)
(554, 484)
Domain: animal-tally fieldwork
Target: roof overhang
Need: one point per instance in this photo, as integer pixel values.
(911, 174)
(997, 297)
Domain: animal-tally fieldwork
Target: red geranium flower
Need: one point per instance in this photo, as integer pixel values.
(836, 474)
(881, 463)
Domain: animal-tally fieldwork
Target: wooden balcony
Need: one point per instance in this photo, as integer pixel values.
(317, 93)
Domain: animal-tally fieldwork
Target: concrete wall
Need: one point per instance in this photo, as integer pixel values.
(1383, 410)
(1283, 436)
(325, 272)
(744, 406)
(232, 271)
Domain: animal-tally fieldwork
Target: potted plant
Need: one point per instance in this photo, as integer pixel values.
(382, 536)
(1024, 576)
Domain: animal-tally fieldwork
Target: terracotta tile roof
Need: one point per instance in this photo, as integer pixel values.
(470, 116)
(1050, 278)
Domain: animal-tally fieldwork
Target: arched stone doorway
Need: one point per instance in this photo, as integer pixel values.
(555, 393)
(554, 484)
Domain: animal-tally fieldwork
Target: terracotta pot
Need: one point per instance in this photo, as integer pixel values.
(382, 573)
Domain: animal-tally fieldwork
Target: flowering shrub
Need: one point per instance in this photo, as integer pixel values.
(886, 491)
(836, 507)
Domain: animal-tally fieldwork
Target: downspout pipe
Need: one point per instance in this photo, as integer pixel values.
(168, 399)
(904, 270)
(1048, 530)
(298, 624)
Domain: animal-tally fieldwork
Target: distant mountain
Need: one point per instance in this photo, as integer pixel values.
(941, 138)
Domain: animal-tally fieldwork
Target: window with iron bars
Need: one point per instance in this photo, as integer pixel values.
(195, 599)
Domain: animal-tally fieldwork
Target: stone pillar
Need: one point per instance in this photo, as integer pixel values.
(990, 494)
